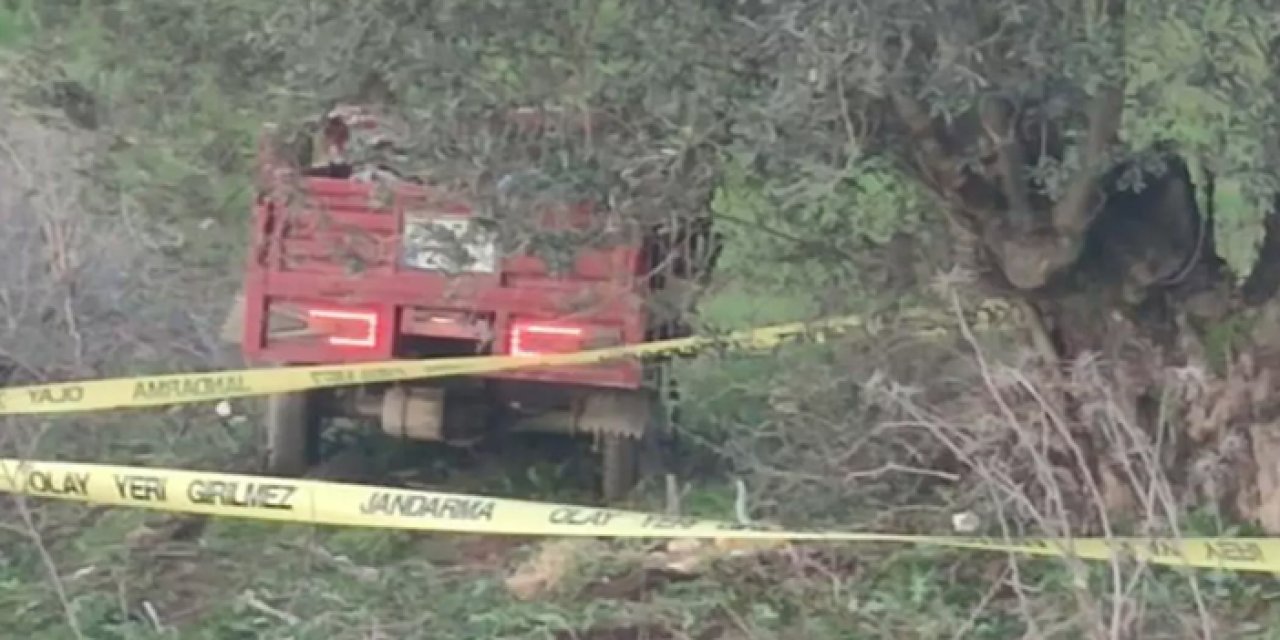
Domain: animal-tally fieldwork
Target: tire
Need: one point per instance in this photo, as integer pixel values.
(293, 433)
(626, 460)
(620, 466)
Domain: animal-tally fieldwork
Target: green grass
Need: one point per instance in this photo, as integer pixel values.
(255, 580)
(1237, 230)
(15, 25)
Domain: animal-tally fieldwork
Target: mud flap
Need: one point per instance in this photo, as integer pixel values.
(615, 413)
(632, 428)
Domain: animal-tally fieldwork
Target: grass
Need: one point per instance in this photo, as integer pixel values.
(362, 580)
(242, 579)
(15, 24)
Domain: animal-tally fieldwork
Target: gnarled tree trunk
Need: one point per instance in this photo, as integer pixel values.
(1119, 262)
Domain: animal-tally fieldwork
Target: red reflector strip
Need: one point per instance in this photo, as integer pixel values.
(345, 328)
(531, 339)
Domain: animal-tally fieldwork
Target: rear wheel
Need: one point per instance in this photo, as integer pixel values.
(293, 433)
(620, 466)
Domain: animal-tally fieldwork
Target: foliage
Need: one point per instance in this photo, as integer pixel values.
(811, 100)
(787, 120)
(1200, 76)
(14, 23)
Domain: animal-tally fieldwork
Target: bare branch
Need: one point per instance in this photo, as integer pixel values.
(1010, 159)
(942, 168)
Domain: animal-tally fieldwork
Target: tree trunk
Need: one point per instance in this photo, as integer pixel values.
(1150, 296)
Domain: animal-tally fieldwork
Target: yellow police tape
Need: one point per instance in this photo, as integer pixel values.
(183, 388)
(157, 390)
(330, 503)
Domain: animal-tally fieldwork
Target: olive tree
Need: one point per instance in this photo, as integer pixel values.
(1108, 163)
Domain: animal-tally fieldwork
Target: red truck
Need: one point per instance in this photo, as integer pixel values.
(351, 264)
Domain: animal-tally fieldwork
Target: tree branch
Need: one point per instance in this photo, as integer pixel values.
(1010, 159)
(1078, 206)
(1264, 280)
(938, 163)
